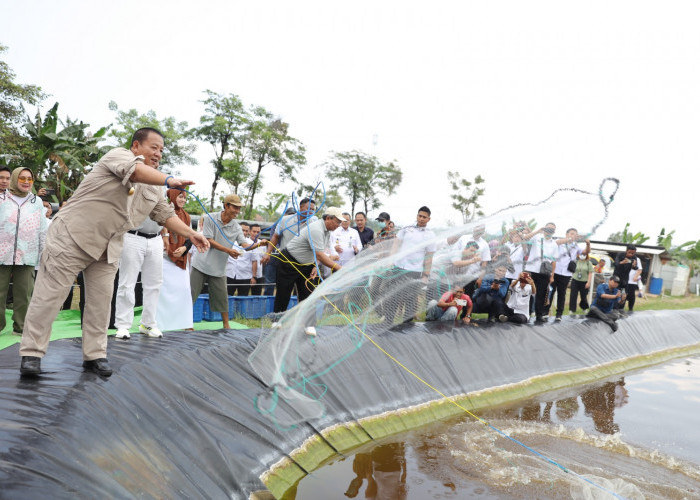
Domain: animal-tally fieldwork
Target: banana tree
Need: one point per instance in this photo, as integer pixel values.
(62, 155)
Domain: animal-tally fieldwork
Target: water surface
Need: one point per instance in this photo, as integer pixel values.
(635, 435)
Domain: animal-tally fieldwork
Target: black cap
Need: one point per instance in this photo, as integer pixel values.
(383, 216)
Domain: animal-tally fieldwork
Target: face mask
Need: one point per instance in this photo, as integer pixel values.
(382, 224)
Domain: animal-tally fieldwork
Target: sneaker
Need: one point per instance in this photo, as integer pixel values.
(122, 333)
(276, 325)
(557, 319)
(614, 327)
(503, 318)
(31, 365)
(310, 330)
(19, 334)
(99, 366)
(150, 331)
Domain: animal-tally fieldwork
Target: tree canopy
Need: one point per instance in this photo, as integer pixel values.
(465, 195)
(224, 125)
(61, 151)
(13, 97)
(362, 177)
(178, 148)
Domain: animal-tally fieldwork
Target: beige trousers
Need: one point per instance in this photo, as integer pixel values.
(61, 261)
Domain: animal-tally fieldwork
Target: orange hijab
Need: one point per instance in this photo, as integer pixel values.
(175, 240)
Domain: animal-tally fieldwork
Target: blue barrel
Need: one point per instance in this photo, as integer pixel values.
(656, 287)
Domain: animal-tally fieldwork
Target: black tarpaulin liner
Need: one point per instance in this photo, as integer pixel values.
(178, 418)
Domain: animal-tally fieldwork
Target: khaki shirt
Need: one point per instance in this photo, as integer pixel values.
(101, 210)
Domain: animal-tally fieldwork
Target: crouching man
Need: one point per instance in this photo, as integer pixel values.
(450, 306)
(490, 296)
(607, 296)
(518, 308)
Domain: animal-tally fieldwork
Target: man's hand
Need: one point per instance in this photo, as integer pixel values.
(199, 241)
(41, 193)
(233, 253)
(265, 258)
(178, 183)
(339, 249)
(314, 273)
(180, 251)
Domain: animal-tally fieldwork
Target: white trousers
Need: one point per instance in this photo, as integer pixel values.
(144, 255)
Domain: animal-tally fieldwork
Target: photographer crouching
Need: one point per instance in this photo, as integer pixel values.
(490, 296)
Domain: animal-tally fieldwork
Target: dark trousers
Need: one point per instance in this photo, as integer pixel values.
(631, 295)
(401, 289)
(487, 303)
(542, 285)
(578, 288)
(607, 318)
(240, 286)
(514, 317)
(290, 274)
(561, 283)
(270, 275)
(258, 287)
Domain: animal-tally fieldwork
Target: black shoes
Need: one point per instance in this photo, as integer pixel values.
(31, 365)
(614, 326)
(99, 366)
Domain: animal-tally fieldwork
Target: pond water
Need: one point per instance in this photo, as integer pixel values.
(635, 436)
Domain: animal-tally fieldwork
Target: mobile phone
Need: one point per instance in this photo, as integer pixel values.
(50, 191)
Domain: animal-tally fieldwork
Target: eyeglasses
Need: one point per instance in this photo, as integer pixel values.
(25, 179)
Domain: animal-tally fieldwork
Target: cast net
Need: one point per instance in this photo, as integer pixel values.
(380, 289)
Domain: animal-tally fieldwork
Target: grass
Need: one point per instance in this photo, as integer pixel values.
(646, 303)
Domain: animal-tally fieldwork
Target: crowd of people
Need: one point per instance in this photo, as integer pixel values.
(134, 229)
(527, 272)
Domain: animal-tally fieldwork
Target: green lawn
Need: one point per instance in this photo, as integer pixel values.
(67, 324)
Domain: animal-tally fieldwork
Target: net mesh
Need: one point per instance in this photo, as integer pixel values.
(386, 285)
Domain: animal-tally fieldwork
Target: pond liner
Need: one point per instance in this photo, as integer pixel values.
(178, 417)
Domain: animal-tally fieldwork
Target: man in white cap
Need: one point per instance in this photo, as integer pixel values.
(300, 260)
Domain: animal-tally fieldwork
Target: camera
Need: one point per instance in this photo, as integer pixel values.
(499, 281)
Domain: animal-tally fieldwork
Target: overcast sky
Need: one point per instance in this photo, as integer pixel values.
(534, 96)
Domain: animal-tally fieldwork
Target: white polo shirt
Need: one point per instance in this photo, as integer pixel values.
(539, 248)
(417, 241)
(347, 239)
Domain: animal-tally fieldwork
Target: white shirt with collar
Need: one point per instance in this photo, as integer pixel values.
(419, 241)
(242, 267)
(348, 239)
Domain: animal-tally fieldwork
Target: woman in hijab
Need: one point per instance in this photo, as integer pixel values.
(175, 300)
(23, 228)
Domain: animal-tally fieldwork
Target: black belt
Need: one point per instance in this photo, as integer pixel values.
(144, 235)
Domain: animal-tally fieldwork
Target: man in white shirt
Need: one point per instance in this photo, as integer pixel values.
(543, 249)
(415, 246)
(240, 272)
(569, 251)
(483, 250)
(257, 288)
(345, 241)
